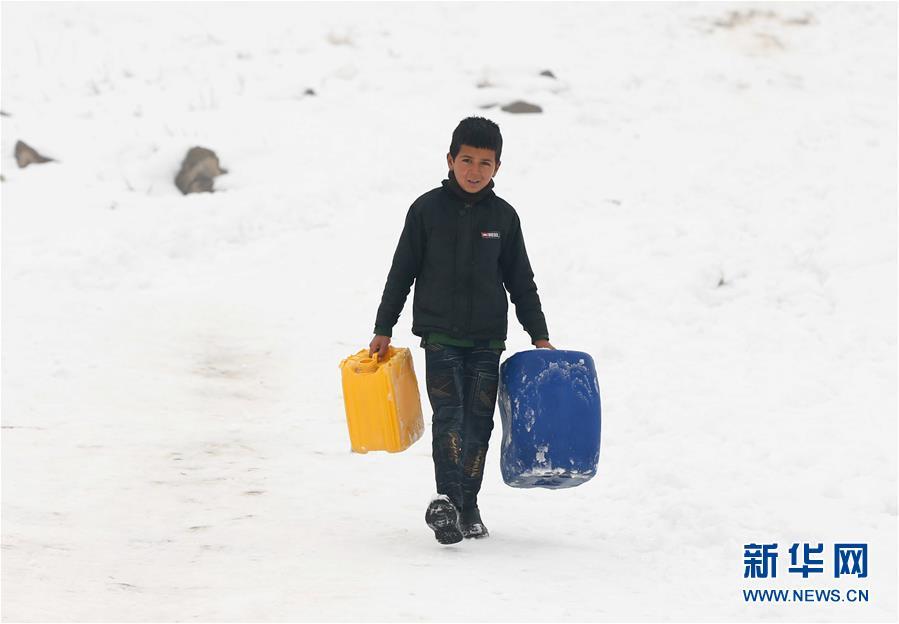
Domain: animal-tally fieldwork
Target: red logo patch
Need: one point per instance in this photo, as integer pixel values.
(489, 234)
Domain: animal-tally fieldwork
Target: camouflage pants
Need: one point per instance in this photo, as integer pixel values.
(462, 385)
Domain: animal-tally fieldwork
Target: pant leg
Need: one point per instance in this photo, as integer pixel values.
(444, 367)
(481, 379)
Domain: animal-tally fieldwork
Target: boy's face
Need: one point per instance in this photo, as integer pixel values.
(473, 167)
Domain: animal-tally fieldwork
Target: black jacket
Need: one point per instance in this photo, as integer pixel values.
(463, 251)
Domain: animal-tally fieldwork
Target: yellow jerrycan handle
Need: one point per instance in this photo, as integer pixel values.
(367, 364)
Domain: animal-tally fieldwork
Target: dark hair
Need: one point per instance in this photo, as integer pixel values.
(477, 132)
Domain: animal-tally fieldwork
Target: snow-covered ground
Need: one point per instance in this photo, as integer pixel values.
(709, 204)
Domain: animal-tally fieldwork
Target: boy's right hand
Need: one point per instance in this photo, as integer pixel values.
(379, 346)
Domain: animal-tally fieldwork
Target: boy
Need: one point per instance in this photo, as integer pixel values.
(461, 244)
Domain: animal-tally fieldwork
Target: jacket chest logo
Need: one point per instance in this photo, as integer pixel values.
(489, 234)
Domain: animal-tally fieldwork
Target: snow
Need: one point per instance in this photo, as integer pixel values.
(709, 205)
(541, 454)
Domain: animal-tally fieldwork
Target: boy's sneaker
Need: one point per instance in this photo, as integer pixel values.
(443, 518)
(472, 526)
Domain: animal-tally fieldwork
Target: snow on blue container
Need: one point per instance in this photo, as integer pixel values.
(550, 409)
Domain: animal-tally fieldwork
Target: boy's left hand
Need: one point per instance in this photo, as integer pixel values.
(543, 344)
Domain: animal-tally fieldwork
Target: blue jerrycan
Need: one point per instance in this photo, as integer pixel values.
(550, 409)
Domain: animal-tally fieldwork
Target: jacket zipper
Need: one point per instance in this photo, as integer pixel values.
(470, 265)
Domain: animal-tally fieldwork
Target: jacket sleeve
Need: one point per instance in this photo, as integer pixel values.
(518, 278)
(405, 268)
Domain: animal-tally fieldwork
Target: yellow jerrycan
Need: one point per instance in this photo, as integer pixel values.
(383, 407)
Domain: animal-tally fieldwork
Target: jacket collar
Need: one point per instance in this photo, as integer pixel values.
(453, 187)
